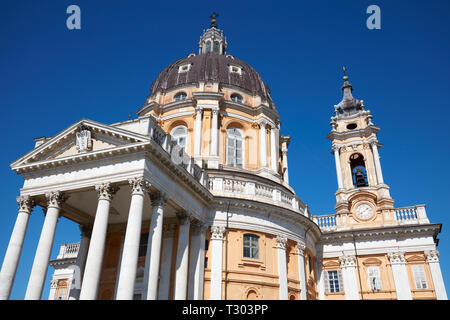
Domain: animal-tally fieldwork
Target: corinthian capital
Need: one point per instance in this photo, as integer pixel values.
(106, 191)
(158, 199)
(396, 257)
(301, 249)
(347, 261)
(26, 203)
(281, 242)
(55, 199)
(138, 185)
(217, 232)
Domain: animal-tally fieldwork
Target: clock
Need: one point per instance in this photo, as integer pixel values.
(364, 211)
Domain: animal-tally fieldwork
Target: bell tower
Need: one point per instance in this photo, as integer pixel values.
(362, 197)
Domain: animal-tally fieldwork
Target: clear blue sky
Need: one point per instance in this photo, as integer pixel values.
(50, 77)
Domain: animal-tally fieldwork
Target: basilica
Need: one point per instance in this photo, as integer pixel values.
(191, 200)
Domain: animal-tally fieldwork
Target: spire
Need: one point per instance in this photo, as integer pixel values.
(213, 20)
(348, 105)
(213, 39)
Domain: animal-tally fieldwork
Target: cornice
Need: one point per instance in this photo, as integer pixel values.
(329, 237)
(363, 133)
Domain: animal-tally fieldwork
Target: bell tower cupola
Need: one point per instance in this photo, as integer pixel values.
(355, 147)
(213, 39)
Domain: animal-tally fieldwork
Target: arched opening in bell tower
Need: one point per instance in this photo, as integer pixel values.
(358, 169)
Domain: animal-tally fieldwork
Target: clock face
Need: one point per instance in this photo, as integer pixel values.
(364, 211)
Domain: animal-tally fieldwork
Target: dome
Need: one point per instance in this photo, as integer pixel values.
(212, 67)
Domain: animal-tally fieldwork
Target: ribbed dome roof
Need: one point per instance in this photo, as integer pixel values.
(212, 67)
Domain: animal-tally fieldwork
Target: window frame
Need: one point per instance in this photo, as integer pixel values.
(376, 275)
(231, 136)
(251, 246)
(337, 278)
(240, 99)
(176, 137)
(423, 279)
(179, 94)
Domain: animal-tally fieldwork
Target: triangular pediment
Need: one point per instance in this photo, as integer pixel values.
(84, 136)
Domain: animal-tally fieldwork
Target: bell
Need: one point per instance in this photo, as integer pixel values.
(360, 178)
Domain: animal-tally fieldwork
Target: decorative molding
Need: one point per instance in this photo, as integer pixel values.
(217, 232)
(432, 255)
(169, 230)
(106, 191)
(26, 204)
(159, 199)
(83, 139)
(53, 283)
(55, 199)
(138, 185)
(281, 242)
(183, 218)
(397, 257)
(301, 249)
(347, 261)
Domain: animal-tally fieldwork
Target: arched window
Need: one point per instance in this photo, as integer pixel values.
(179, 134)
(251, 246)
(180, 96)
(358, 168)
(216, 46)
(208, 46)
(234, 147)
(236, 98)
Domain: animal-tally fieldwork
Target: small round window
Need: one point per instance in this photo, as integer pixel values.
(352, 126)
(180, 96)
(236, 98)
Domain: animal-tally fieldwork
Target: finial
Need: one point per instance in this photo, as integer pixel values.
(344, 68)
(213, 19)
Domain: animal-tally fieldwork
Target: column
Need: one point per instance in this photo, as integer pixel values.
(400, 274)
(14, 250)
(273, 149)
(153, 254)
(320, 278)
(78, 270)
(376, 158)
(436, 274)
(285, 166)
(128, 266)
(217, 233)
(198, 132)
(263, 143)
(348, 266)
(92, 271)
(301, 270)
(166, 261)
(214, 133)
(44, 249)
(181, 266)
(196, 262)
(282, 270)
(338, 166)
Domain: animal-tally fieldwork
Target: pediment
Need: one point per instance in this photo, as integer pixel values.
(331, 264)
(372, 262)
(416, 258)
(84, 136)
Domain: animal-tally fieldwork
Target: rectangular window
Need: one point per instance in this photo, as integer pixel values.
(62, 294)
(420, 278)
(251, 246)
(373, 275)
(333, 281)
